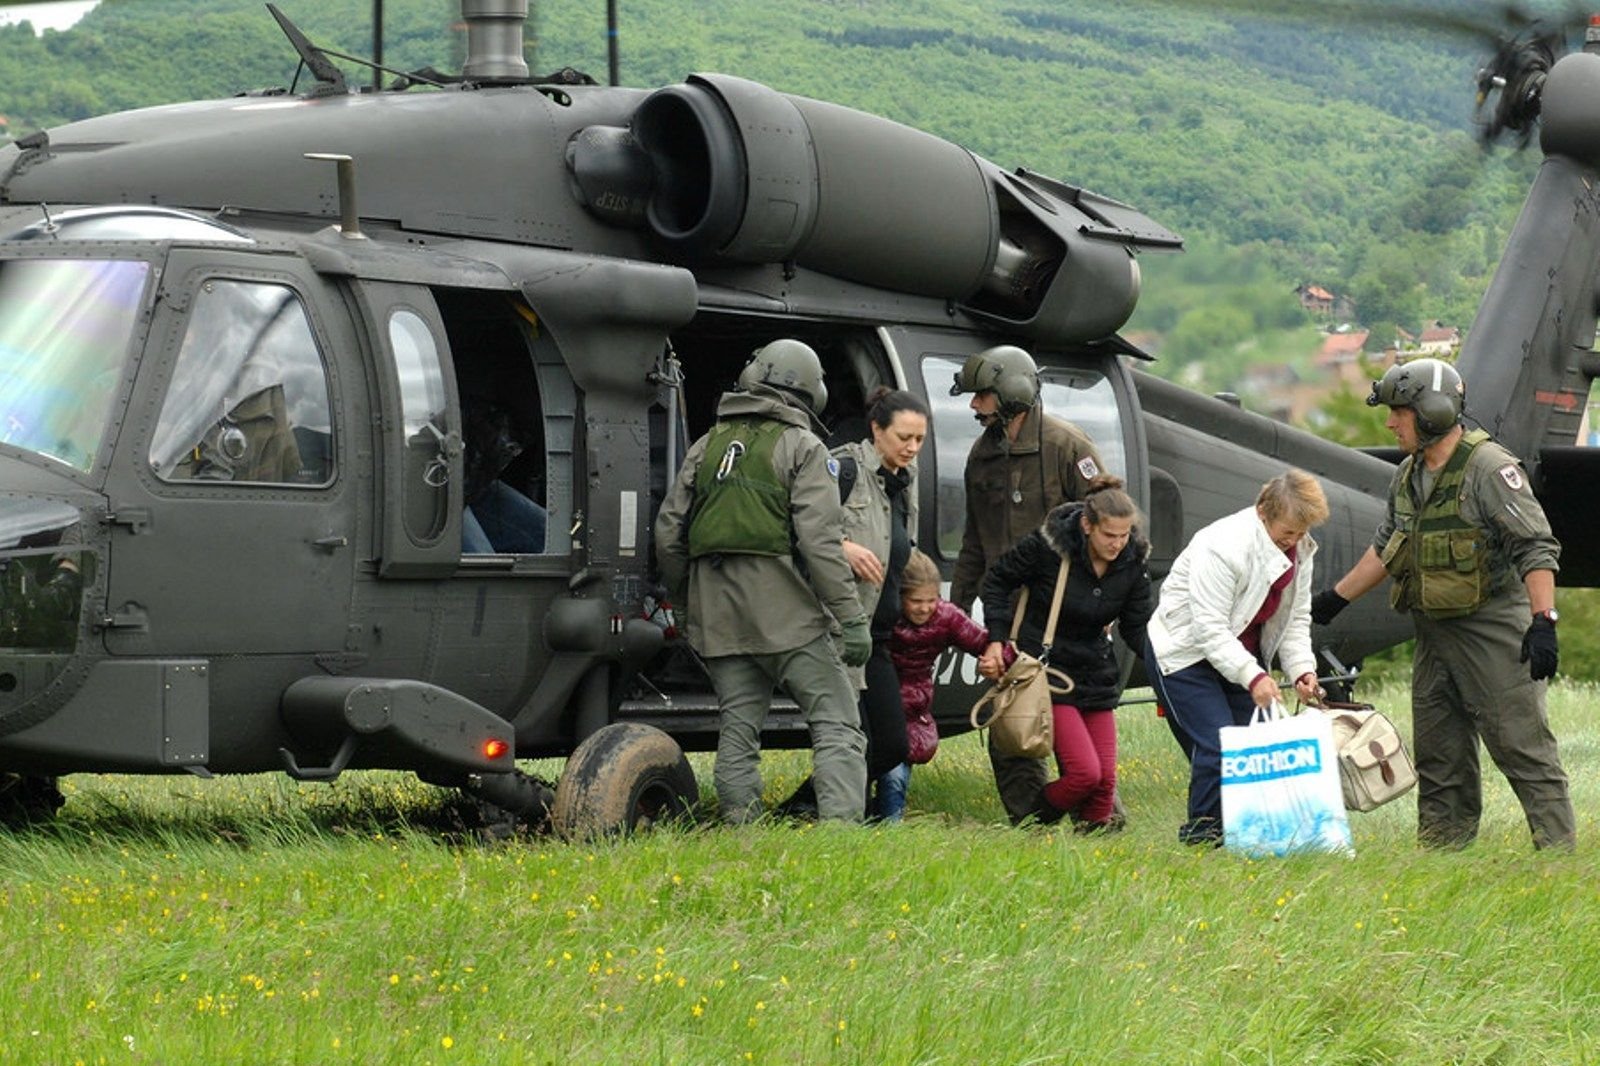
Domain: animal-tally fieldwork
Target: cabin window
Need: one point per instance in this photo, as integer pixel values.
(1083, 397)
(249, 395)
(426, 430)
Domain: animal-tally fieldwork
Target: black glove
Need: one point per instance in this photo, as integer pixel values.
(1539, 649)
(1325, 605)
(856, 636)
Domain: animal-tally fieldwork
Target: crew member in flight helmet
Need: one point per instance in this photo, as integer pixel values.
(1474, 563)
(752, 530)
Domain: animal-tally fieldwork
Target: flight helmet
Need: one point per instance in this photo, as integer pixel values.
(789, 365)
(1430, 387)
(1005, 370)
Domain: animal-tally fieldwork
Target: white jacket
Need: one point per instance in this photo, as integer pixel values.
(1218, 583)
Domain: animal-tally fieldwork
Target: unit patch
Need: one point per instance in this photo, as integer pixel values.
(833, 468)
(1087, 467)
(1512, 476)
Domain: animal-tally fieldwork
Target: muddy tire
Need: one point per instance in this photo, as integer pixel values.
(624, 778)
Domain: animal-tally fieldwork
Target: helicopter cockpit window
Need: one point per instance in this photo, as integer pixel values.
(249, 395)
(65, 331)
(425, 413)
(1083, 397)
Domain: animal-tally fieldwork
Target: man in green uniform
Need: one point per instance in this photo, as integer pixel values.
(754, 523)
(1024, 463)
(1474, 561)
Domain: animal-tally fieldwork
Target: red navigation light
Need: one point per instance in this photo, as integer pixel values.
(495, 748)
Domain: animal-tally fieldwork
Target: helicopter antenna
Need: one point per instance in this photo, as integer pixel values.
(314, 58)
(615, 64)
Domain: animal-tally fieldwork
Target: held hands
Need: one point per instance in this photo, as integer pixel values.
(1539, 649)
(856, 636)
(992, 663)
(1325, 605)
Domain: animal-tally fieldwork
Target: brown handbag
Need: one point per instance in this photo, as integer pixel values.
(1020, 718)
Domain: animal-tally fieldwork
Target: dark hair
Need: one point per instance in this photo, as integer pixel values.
(883, 403)
(1106, 499)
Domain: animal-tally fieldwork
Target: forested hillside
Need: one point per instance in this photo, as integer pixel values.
(1282, 151)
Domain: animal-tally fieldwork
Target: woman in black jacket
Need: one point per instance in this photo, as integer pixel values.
(1108, 586)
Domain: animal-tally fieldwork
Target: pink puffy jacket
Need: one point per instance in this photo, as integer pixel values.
(915, 650)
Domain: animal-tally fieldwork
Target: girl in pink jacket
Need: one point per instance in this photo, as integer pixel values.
(928, 625)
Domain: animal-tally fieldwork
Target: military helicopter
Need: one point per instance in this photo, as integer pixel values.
(245, 345)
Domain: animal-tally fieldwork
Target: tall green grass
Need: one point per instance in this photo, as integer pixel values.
(260, 921)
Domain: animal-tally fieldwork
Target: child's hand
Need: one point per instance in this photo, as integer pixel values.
(992, 663)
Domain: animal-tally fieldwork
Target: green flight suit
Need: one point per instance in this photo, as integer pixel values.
(761, 620)
(1468, 683)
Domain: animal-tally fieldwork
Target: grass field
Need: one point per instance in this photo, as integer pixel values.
(260, 921)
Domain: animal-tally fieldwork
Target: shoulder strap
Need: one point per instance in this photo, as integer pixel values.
(848, 473)
(1055, 605)
(1055, 608)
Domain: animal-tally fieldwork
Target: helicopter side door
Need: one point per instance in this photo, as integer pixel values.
(231, 507)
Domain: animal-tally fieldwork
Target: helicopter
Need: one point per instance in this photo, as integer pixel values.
(245, 344)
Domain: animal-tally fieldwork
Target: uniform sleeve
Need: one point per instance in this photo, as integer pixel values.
(1009, 573)
(1386, 525)
(1506, 504)
(968, 574)
(672, 524)
(1081, 463)
(818, 519)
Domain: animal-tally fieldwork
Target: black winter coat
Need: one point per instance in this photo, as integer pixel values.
(1082, 645)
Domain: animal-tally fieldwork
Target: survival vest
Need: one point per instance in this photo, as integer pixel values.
(1438, 560)
(740, 505)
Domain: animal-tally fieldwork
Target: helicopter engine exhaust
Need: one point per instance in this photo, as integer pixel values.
(739, 172)
(494, 40)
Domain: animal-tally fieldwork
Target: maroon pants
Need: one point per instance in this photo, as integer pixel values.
(1086, 752)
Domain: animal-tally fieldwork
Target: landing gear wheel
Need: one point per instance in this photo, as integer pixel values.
(626, 777)
(27, 799)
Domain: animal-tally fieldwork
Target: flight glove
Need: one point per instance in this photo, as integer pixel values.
(1539, 649)
(857, 637)
(1325, 605)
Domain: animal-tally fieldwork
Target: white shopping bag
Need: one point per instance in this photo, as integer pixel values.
(1280, 786)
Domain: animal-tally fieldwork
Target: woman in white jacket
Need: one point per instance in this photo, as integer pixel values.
(1238, 596)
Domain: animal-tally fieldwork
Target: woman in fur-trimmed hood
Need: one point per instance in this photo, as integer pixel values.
(1108, 587)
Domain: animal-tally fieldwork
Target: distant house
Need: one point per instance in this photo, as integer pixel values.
(1315, 298)
(1340, 355)
(1437, 339)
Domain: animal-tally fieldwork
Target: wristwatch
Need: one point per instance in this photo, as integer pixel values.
(1550, 615)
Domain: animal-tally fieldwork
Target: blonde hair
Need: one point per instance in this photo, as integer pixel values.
(920, 570)
(1294, 496)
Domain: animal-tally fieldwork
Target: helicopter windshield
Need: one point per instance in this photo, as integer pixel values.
(65, 332)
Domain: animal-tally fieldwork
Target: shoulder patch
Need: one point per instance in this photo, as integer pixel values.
(1512, 476)
(833, 468)
(1088, 468)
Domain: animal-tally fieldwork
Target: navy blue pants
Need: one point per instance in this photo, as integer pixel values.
(1198, 702)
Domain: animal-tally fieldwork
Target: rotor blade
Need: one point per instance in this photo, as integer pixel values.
(1486, 23)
